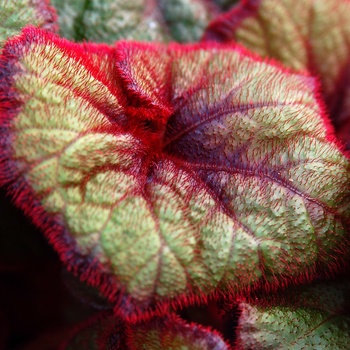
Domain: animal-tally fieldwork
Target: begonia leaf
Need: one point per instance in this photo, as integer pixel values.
(302, 34)
(163, 173)
(16, 14)
(160, 333)
(186, 20)
(313, 317)
(143, 20)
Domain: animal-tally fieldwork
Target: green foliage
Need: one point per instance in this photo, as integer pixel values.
(16, 14)
(170, 173)
(143, 20)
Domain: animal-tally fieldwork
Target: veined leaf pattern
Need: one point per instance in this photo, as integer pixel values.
(171, 171)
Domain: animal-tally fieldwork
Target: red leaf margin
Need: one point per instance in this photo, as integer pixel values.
(222, 30)
(88, 269)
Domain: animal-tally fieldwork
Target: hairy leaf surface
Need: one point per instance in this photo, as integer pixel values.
(16, 14)
(302, 34)
(144, 20)
(165, 172)
(315, 317)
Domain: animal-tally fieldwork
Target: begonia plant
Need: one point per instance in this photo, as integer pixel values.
(183, 153)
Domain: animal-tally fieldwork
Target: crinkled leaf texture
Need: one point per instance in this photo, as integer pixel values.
(160, 333)
(16, 14)
(313, 317)
(170, 173)
(144, 20)
(302, 34)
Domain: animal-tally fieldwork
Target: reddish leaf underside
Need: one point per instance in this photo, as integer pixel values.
(160, 333)
(302, 34)
(170, 173)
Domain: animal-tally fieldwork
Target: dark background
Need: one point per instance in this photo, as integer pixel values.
(37, 306)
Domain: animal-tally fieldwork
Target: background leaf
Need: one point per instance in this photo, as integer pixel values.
(312, 35)
(313, 317)
(143, 20)
(16, 14)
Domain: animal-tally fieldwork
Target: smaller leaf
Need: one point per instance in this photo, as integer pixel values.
(160, 333)
(313, 317)
(311, 35)
(186, 19)
(143, 20)
(16, 14)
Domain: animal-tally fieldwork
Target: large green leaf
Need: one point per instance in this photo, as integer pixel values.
(171, 172)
